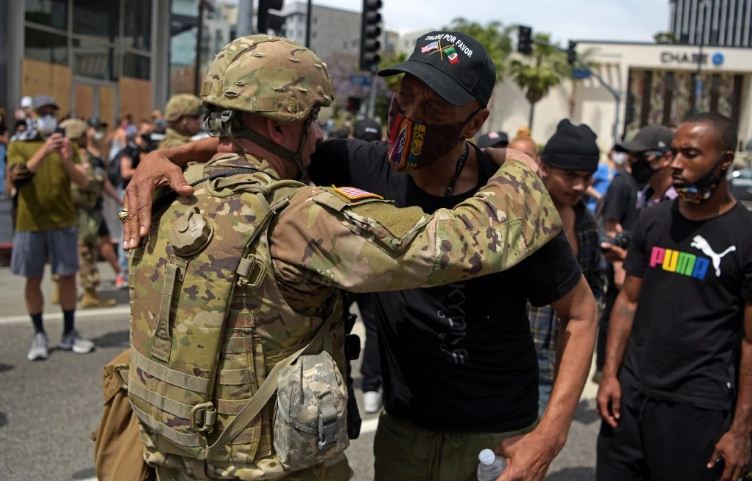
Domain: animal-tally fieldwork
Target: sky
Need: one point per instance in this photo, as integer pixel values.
(632, 20)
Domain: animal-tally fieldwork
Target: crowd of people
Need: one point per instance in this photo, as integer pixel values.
(487, 273)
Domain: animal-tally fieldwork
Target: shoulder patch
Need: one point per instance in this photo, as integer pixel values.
(351, 193)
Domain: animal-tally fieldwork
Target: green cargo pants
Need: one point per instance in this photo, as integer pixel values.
(406, 452)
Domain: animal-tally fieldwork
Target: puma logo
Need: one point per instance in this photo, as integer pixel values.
(699, 242)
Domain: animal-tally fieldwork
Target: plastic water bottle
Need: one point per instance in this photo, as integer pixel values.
(490, 465)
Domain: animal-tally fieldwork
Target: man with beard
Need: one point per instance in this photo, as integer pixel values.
(676, 393)
(458, 362)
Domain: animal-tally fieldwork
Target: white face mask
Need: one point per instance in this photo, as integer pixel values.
(98, 135)
(46, 124)
(619, 158)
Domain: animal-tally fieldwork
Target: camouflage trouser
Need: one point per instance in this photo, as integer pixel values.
(336, 470)
(88, 247)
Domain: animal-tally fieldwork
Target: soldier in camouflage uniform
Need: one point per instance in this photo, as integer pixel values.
(263, 94)
(92, 229)
(183, 116)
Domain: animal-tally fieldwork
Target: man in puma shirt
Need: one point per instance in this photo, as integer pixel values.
(676, 393)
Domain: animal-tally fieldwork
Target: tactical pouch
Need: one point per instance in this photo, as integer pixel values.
(310, 422)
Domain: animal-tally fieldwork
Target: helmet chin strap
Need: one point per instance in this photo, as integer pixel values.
(275, 148)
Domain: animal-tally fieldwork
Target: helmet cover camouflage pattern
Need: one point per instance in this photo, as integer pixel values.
(74, 128)
(268, 76)
(180, 105)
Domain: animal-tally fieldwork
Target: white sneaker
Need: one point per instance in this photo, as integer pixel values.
(38, 350)
(74, 342)
(371, 402)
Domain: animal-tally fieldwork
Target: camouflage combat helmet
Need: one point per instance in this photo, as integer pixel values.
(74, 128)
(268, 76)
(180, 105)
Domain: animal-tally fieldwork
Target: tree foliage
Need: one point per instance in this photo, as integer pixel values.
(544, 69)
(494, 36)
(666, 38)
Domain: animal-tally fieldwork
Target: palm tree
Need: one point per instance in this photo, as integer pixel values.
(546, 68)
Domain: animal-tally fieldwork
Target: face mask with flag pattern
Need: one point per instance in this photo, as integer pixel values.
(414, 144)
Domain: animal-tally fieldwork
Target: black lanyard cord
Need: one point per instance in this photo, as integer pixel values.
(457, 171)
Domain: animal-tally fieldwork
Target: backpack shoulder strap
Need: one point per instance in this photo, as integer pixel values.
(268, 388)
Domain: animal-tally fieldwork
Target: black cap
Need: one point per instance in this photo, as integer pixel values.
(95, 122)
(652, 137)
(44, 101)
(572, 147)
(493, 139)
(453, 64)
(367, 129)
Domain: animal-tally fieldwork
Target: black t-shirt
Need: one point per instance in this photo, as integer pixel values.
(100, 171)
(696, 275)
(459, 357)
(620, 201)
(133, 151)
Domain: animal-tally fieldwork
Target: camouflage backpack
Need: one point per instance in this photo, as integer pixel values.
(213, 340)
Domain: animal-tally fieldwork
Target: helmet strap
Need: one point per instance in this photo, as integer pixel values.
(226, 123)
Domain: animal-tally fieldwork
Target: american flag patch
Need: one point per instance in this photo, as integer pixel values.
(351, 193)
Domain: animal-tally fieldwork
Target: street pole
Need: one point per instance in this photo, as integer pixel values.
(372, 100)
(309, 14)
(199, 36)
(245, 18)
(698, 75)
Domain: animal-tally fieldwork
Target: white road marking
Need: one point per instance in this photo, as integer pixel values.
(81, 314)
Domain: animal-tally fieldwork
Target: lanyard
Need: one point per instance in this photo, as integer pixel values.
(457, 171)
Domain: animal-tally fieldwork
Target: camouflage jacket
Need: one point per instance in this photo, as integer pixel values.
(323, 240)
(173, 138)
(87, 197)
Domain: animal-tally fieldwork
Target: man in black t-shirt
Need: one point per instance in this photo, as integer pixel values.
(458, 362)
(676, 396)
(621, 207)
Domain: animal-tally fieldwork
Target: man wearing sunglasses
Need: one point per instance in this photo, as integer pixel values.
(458, 361)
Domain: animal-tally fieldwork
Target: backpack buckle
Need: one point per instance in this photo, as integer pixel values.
(251, 271)
(327, 426)
(203, 417)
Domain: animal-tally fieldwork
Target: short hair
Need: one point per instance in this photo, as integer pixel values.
(722, 124)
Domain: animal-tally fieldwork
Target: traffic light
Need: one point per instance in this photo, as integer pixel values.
(572, 52)
(370, 33)
(270, 21)
(524, 40)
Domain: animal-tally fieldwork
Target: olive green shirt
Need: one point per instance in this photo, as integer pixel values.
(44, 201)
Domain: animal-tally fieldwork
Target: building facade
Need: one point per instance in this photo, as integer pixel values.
(655, 85)
(721, 23)
(96, 58)
(334, 31)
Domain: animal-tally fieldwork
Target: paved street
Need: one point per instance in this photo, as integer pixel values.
(48, 409)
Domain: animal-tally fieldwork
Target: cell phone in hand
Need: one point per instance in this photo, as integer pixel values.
(60, 130)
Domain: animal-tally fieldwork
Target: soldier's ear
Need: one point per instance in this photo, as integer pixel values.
(275, 131)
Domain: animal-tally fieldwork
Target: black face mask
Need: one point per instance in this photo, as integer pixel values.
(642, 172)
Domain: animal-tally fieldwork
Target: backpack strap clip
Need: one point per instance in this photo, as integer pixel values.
(327, 426)
(251, 271)
(203, 417)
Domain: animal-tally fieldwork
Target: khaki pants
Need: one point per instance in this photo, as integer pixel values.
(406, 452)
